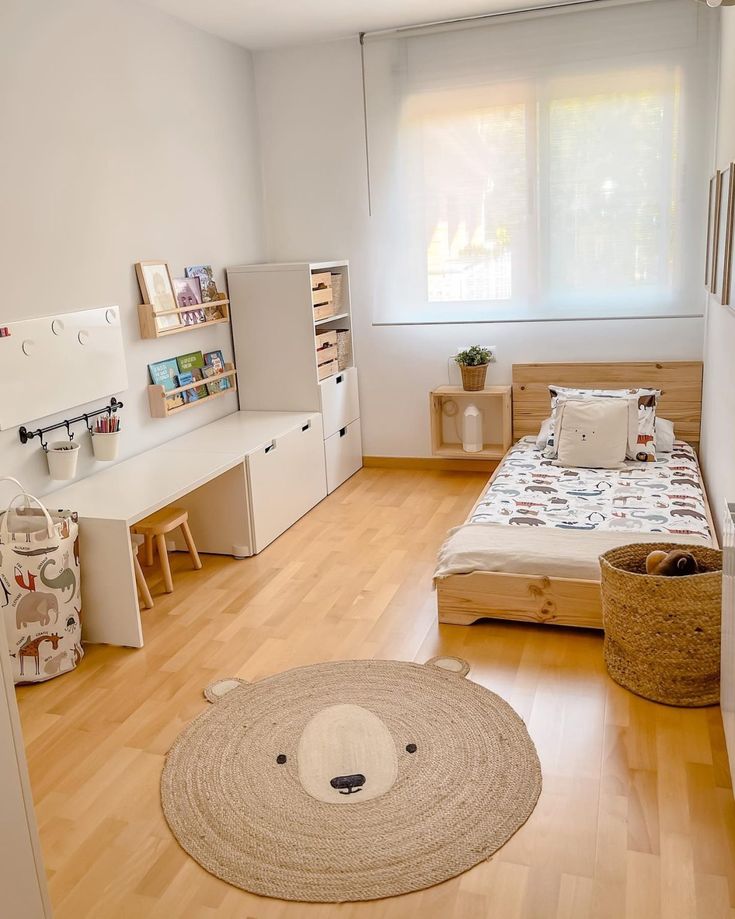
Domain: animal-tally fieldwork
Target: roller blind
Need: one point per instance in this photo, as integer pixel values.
(546, 165)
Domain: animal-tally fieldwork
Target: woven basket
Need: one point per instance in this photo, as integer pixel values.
(662, 634)
(473, 378)
(344, 348)
(337, 292)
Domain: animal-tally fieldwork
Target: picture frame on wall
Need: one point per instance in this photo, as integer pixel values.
(722, 238)
(711, 234)
(157, 289)
(715, 186)
(727, 232)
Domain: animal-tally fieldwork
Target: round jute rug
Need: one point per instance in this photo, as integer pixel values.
(351, 780)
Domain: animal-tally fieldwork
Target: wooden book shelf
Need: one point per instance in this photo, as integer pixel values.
(149, 327)
(492, 401)
(158, 396)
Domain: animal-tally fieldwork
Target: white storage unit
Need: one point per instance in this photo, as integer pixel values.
(280, 314)
(283, 477)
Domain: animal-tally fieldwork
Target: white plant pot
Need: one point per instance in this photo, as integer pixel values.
(62, 459)
(106, 446)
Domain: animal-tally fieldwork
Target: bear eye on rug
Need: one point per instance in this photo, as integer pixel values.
(350, 780)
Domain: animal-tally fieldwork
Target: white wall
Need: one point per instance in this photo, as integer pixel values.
(718, 441)
(127, 135)
(313, 153)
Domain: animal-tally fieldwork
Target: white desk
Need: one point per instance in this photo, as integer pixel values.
(221, 475)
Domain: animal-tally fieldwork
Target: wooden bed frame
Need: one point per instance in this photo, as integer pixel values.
(464, 598)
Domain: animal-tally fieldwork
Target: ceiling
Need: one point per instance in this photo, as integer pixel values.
(259, 24)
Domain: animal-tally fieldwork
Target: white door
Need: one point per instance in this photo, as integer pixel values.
(22, 877)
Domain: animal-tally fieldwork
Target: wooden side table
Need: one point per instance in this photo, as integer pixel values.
(495, 404)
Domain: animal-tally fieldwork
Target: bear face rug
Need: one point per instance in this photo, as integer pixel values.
(351, 780)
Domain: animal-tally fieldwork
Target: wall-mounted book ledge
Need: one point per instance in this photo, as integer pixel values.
(164, 402)
(188, 316)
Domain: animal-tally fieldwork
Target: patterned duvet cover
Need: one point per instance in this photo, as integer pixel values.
(662, 497)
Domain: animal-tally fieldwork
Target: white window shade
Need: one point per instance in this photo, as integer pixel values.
(542, 166)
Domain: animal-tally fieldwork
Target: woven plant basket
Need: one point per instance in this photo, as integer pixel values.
(473, 378)
(662, 634)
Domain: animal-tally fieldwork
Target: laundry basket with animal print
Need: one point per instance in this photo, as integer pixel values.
(39, 589)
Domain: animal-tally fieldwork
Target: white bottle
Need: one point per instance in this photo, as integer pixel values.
(472, 429)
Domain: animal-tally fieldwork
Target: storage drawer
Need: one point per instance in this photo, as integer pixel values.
(339, 401)
(343, 452)
(286, 479)
(328, 369)
(326, 354)
(324, 311)
(321, 279)
(326, 339)
(323, 295)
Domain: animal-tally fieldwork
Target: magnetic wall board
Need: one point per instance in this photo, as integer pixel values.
(53, 364)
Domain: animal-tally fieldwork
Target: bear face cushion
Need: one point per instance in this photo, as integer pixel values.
(593, 434)
(641, 421)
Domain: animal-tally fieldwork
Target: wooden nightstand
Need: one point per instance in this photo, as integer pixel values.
(495, 404)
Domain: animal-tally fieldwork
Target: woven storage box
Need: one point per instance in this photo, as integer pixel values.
(662, 634)
(338, 292)
(344, 348)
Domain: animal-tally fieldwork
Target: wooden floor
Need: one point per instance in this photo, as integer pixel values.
(636, 819)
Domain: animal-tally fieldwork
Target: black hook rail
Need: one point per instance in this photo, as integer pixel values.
(25, 435)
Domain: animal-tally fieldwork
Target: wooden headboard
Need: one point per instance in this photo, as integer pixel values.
(680, 383)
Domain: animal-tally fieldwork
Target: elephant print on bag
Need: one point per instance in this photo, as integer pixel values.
(40, 578)
(36, 607)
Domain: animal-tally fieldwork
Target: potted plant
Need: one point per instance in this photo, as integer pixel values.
(473, 364)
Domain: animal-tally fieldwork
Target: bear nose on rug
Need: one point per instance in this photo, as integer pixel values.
(347, 784)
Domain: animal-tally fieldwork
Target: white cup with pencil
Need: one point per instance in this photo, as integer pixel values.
(106, 438)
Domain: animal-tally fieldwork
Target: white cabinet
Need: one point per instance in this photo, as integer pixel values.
(344, 454)
(290, 323)
(286, 479)
(340, 404)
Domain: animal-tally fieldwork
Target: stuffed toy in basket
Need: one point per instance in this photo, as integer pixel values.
(40, 595)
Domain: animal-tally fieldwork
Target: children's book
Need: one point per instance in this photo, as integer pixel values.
(190, 395)
(166, 374)
(193, 362)
(216, 362)
(207, 284)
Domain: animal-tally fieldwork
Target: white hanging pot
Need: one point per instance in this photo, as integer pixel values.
(106, 446)
(62, 458)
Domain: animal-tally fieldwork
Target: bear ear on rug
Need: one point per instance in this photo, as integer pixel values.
(220, 688)
(456, 665)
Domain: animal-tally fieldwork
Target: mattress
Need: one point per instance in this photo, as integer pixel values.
(538, 518)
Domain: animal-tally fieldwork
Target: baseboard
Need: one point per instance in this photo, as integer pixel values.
(435, 463)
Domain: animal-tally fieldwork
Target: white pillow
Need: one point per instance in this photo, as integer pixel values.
(664, 435)
(641, 422)
(543, 435)
(592, 433)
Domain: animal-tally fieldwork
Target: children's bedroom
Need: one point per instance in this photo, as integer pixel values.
(367, 478)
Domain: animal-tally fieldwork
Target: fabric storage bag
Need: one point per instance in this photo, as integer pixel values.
(40, 595)
(662, 634)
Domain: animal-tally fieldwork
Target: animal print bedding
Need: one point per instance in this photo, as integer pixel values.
(665, 496)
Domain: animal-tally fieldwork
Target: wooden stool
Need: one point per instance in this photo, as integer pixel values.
(155, 527)
(140, 578)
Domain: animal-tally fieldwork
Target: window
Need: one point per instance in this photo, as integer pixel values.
(547, 167)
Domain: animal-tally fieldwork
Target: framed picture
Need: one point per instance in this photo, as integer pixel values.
(723, 248)
(157, 289)
(188, 294)
(729, 224)
(711, 216)
(715, 219)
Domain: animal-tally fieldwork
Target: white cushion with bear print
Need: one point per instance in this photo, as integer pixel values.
(593, 433)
